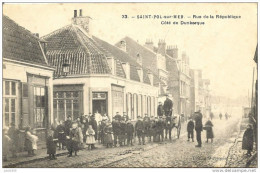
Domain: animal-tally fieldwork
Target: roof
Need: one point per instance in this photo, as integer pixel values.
(20, 44)
(149, 57)
(82, 53)
(124, 57)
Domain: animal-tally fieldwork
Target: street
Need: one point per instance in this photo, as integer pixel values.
(175, 153)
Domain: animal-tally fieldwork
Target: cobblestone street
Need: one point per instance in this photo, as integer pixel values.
(175, 153)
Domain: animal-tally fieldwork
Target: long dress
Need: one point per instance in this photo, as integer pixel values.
(209, 130)
(90, 133)
(108, 137)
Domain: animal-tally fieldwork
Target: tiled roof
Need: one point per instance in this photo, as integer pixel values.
(20, 44)
(123, 56)
(81, 52)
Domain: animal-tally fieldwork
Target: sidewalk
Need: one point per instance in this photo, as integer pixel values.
(237, 157)
(41, 154)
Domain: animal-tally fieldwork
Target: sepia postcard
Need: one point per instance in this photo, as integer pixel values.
(130, 85)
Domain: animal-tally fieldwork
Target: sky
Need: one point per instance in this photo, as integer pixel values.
(222, 48)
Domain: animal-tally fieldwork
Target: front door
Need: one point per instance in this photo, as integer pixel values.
(99, 103)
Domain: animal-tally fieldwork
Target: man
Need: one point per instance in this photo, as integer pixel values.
(167, 106)
(122, 136)
(146, 122)
(226, 116)
(118, 116)
(116, 130)
(129, 132)
(198, 127)
(139, 130)
(160, 109)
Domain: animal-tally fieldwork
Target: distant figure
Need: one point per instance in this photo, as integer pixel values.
(160, 109)
(67, 125)
(198, 127)
(220, 116)
(209, 130)
(118, 116)
(98, 117)
(248, 140)
(61, 135)
(94, 125)
(167, 106)
(75, 138)
(211, 115)
(226, 116)
(108, 135)
(190, 129)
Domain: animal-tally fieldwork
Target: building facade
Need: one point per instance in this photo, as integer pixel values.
(27, 80)
(100, 76)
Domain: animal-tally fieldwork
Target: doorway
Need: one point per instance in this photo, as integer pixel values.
(99, 103)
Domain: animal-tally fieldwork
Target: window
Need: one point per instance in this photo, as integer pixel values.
(39, 106)
(66, 103)
(9, 102)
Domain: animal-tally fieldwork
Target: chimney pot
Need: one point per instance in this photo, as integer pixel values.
(80, 12)
(75, 13)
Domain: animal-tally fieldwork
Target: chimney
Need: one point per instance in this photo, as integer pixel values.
(150, 75)
(149, 44)
(172, 51)
(140, 73)
(122, 45)
(126, 68)
(161, 47)
(36, 35)
(139, 59)
(82, 21)
(75, 13)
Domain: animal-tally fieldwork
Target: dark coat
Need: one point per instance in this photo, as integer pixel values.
(248, 140)
(61, 133)
(108, 135)
(51, 145)
(122, 128)
(198, 121)
(118, 117)
(167, 106)
(116, 128)
(130, 129)
(209, 129)
(160, 126)
(190, 126)
(13, 133)
(139, 127)
(160, 110)
(93, 122)
(67, 125)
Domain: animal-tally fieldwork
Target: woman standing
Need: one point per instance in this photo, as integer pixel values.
(209, 130)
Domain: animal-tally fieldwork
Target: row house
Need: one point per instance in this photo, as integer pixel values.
(200, 93)
(92, 75)
(27, 80)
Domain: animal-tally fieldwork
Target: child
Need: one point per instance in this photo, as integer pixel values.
(90, 141)
(51, 145)
(209, 130)
(190, 129)
(61, 135)
(108, 135)
(6, 144)
(248, 140)
(30, 142)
